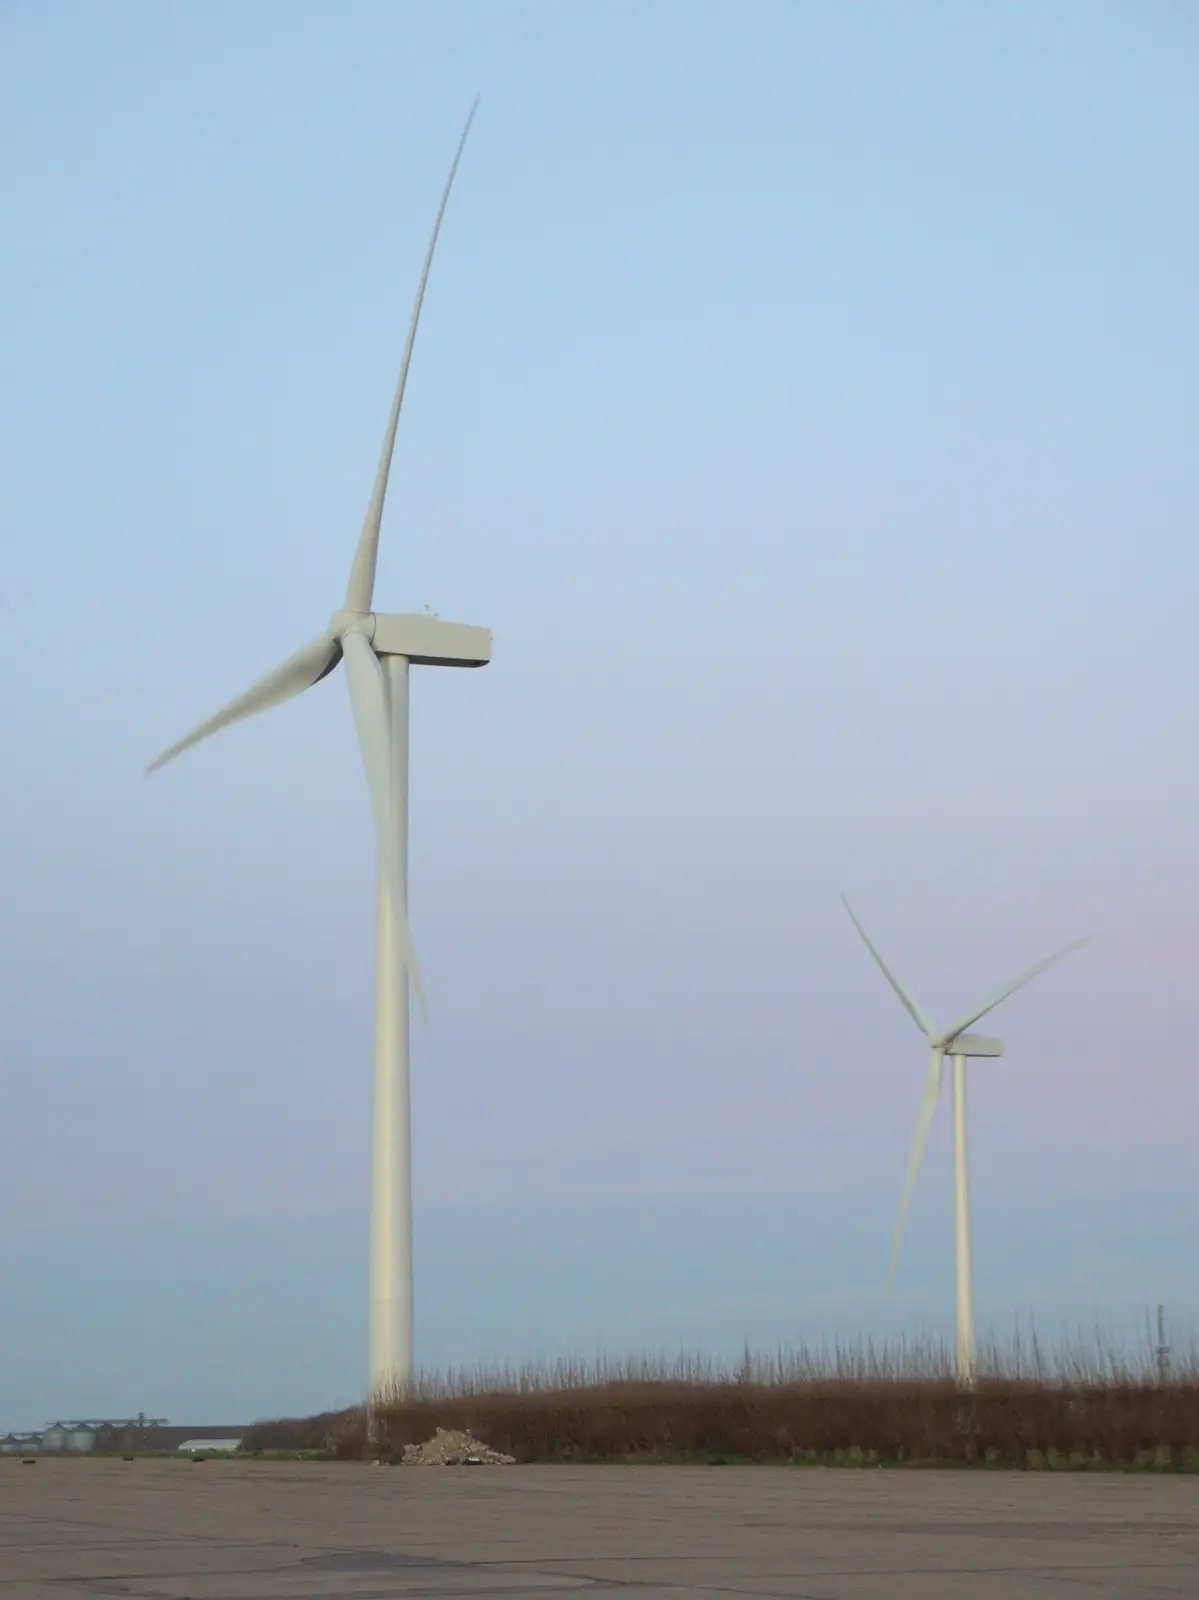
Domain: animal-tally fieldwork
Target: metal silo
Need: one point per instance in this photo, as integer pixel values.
(10, 1445)
(55, 1437)
(82, 1438)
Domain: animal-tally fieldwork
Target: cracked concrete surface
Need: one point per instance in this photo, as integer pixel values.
(246, 1530)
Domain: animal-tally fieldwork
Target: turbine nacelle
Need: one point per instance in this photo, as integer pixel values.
(971, 1044)
(424, 640)
(430, 642)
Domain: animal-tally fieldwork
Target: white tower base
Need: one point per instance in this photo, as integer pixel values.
(391, 1343)
(966, 1353)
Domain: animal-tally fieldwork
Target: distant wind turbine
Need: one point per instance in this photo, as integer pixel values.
(376, 649)
(961, 1045)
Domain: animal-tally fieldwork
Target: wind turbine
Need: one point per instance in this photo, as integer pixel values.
(957, 1042)
(377, 649)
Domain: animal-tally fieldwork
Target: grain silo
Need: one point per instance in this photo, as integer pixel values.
(55, 1437)
(81, 1438)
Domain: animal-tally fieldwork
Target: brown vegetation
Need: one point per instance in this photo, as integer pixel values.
(1077, 1409)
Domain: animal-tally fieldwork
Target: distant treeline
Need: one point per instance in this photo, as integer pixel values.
(1083, 1409)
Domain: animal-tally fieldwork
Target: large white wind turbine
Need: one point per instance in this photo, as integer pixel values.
(377, 649)
(957, 1042)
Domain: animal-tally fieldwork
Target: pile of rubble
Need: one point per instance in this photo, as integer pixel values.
(451, 1448)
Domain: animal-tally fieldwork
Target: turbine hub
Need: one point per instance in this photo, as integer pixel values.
(344, 622)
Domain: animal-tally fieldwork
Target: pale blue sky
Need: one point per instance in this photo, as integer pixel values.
(807, 399)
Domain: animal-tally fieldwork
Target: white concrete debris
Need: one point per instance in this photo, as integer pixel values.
(451, 1448)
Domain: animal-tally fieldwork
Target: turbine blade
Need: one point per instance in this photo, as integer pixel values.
(361, 589)
(928, 1107)
(909, 1005)
(369, 697)
(1005, 989)
(298, 672)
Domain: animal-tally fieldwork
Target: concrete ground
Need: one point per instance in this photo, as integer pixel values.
(228, 1530)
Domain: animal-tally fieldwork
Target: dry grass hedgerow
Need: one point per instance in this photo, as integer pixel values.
(1079, 1405)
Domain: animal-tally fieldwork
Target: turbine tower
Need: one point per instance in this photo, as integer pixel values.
(377, 649)
(962, 1045)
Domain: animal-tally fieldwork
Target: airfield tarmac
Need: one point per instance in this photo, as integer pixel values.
(228, 1530)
